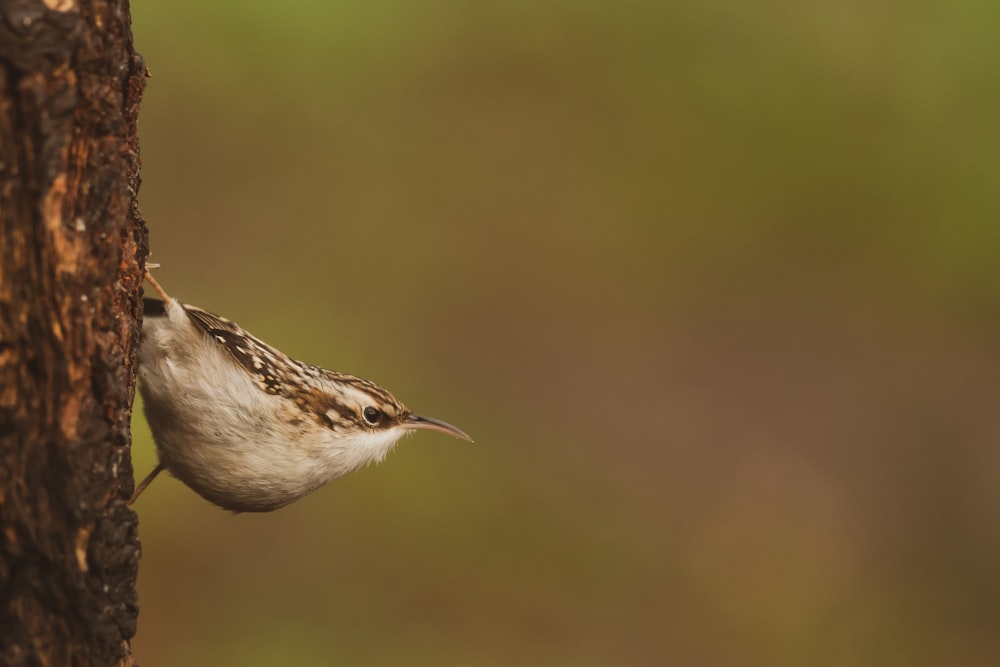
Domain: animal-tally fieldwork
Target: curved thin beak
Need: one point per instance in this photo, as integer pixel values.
(418, 422)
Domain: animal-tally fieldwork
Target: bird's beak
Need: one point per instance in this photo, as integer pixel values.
(416, 422)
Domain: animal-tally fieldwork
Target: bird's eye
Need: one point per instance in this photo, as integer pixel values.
(371, 415)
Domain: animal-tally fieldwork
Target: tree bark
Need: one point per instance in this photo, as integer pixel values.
(72, 244)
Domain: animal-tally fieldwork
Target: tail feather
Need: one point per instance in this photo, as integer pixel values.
(153, 307)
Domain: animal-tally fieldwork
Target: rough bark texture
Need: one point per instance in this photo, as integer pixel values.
(71, 247)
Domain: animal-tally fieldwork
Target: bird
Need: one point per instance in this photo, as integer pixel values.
(245, 426)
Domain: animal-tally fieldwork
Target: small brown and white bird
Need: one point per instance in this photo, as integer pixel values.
(245, 426)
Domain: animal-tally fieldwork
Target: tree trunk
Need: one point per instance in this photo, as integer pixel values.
(72, 244)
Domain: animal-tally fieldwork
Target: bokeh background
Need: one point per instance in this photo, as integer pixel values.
(715, 287)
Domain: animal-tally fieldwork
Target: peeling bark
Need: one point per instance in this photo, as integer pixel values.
(72, 244)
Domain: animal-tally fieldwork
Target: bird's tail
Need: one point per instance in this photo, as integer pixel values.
(153, 307)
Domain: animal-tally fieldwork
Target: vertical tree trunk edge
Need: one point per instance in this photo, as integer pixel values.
(72, 248)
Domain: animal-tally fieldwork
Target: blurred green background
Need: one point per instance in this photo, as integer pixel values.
(713, 285)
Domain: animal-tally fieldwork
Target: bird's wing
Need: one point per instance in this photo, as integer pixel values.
(266, 364)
